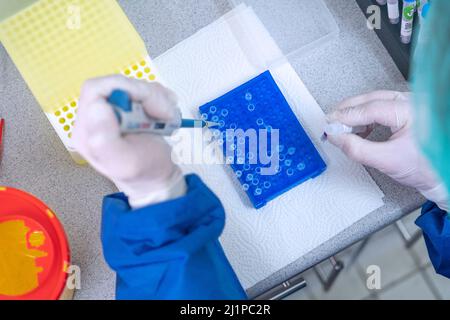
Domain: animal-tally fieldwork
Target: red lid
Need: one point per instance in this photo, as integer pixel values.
(33, 245)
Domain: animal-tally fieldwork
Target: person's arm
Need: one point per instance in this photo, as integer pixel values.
(435, 225)
(169, 250)
(161, 234)
(400, 158)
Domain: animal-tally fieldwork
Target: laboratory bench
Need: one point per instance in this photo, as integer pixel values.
(35, 160)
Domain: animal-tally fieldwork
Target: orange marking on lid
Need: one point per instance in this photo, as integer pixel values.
(19, 270)
(50, 213)
(65, 266)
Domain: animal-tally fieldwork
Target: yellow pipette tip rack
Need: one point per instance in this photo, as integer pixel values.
(63, 119)
(59, 44)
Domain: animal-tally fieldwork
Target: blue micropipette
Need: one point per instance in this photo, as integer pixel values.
(133, 118)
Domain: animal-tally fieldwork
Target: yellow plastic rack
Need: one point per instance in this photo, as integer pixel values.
(58, 44)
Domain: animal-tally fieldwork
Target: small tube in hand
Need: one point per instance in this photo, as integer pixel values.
(336, 128)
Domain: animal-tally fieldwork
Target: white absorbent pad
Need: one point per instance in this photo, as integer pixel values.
(258, 243)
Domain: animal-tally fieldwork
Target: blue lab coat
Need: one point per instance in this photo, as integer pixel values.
(171, 250)
(435, 225)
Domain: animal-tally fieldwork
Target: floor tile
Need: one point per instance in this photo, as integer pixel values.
(401, 276)
(409, 221)
(412, 288)
(442, 284)
(371, 297)
(301, 294)
(386, 249)
(346, 255)
(420, 252)
(418, 248)
(348, 285)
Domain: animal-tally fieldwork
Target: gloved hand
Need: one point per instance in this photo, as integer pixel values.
(399, 157)
(139, 164)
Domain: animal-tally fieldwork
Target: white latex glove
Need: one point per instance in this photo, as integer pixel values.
(399, 157)
(139, 164)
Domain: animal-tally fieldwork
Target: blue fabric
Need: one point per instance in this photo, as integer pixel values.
(169, 250)
(435, 224)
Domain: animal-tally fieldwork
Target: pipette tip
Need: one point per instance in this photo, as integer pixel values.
(210, 124)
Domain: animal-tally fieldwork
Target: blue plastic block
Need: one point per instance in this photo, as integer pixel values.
(260, 105)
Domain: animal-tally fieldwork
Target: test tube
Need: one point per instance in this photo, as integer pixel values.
(407, 21)
(337, 128)
(393, 12)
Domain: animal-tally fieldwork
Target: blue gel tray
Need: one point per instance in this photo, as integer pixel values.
(259, 104)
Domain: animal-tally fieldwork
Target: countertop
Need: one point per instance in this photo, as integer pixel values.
(36, 161)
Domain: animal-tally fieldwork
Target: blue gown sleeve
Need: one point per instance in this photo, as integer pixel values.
(435, 224)
(169, 250)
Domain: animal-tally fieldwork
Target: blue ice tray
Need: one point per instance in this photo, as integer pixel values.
(259, 104)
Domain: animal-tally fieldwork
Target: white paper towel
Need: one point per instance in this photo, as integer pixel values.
(258, 243)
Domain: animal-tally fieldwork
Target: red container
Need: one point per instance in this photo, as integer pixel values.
(35, 249)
